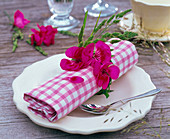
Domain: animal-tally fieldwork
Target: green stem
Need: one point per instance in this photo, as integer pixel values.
(11, 21)
(15, 45)
(153, 130)
(95, 24)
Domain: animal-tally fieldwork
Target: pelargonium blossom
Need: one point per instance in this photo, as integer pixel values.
(104, 72)
(19, 20)
(103, 53)
(81, 58)
(46, 35)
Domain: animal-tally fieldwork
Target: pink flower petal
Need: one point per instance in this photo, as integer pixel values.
(43, 29)
(37, 39)
(101, 44)
(96, 68)
(34, 30)
(48, 40)
(99, 81)
(76, 79)
(19, 14)
(113, 71)
(19, 22)
(70, 52)
(87, 53)
(70, 65)
(105, 81)
(102, 53)
(26, 21)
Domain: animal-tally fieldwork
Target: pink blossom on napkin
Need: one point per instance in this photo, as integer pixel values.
(81, 58)
(104, 72)
(74, 79)
(19, 20)
(103, 53)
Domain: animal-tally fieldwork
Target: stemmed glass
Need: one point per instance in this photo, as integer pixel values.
(61, 18)
(100, 6)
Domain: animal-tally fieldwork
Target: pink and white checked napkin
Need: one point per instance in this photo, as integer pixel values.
(58, 97)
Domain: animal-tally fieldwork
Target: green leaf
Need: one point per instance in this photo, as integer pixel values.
(120, 15)
(107, 35)
(110, 19)
(122, 37)
(28, 41)
(80, 37)
(100, 25)
(114, 41)
(69, 33)
(116, 34)
(85, 19)
(16, 29)
(130, 35)
(116, 21)
(106, 94)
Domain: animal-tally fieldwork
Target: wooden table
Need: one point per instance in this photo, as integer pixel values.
(14, 124)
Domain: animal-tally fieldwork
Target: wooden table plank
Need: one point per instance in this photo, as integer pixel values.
(15, 125)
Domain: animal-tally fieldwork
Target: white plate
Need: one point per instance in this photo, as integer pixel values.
(134, 82)
(128, 24)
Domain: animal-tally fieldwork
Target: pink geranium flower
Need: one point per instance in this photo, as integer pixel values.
(104, 72)
(103, 53)
(19, 20)
(81, 58)
(46, 35)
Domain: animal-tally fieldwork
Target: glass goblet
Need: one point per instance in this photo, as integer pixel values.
(61, 14)
(100, 6)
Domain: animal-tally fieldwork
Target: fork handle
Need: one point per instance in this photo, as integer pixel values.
(149, 93)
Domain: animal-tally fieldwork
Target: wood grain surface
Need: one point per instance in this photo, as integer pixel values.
(16, 125)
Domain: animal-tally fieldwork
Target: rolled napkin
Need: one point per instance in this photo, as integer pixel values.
(58, 97)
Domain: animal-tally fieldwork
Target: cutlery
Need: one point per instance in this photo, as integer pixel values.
(98, 109)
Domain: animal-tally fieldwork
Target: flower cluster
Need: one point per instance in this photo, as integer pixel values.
(46, 35)
(96, 55)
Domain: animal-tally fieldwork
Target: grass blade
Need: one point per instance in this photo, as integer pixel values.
(80, 37)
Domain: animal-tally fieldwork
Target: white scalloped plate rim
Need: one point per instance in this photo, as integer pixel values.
(90, 124)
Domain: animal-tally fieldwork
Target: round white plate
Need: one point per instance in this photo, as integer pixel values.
(128, 24)
(134, 82)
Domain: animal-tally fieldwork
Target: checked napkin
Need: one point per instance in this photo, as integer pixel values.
(57, 97)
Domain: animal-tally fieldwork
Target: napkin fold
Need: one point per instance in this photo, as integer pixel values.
(57, 97)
